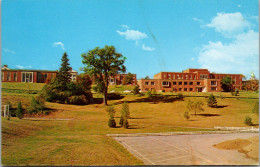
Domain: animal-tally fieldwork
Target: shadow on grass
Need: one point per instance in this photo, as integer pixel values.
(154, 99)
(254, 125)
(207, 115)
(222, 106)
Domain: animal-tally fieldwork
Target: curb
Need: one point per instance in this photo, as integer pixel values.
(176, 133)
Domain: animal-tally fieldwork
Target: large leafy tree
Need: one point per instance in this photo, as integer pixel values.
(63, 76)
(101, 63)
(226, 84)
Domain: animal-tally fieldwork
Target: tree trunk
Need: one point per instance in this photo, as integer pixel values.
(105, 90)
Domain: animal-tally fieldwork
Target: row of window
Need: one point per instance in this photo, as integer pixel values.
(167, 83)
(202, 76)
(8, 78)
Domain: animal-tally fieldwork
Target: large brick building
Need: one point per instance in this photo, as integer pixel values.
(190, 80)
(30, 76)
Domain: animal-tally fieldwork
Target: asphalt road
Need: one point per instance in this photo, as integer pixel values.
(186, 149)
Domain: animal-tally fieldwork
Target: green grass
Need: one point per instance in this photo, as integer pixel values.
(22, 86)
(83, 140)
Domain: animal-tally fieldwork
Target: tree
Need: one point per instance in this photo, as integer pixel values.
(196, 106)
(147, 77)
(226, 84)
(136, 89)
(128, 79)
(19, 111)
(63, 75)
(101, 64)
(212, 101)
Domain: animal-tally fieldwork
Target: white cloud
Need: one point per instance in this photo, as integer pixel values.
(147, 48)
(23, 67)
(192, 59)
(56, 44)
(229, 24)
(198, 20)
(132, 34)
(239, 56)
(8, 51)
(239, 6)
(125, 26)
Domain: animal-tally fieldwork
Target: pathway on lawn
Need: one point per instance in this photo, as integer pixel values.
(194, 149)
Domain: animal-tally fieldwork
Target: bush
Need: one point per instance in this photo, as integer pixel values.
(19, 112)
(212, 101)
(148, 93)
(186, 115)
(11, 109)
(136, 89)
(112, 123)
(248, 120)
(256, 108)
(125, 114)
(35, 106)
(114, 96)
(180, 96)
(78, 100)
(153, 92)
(234, 93)
(111, 112)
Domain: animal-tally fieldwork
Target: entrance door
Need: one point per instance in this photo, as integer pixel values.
(199, 89)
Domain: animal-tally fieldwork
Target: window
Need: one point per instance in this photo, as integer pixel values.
(180, 83)
(213, 88)
(191, 89)
(173, 76)
(146, 83)
(8, 76)
(165, 83)
(213, 82)
(169, 76)
(218, 77)
(186, 76)
(2, 75)
(194, 76)
(198, 83)
(73, 77)
(152, 83)
(191, 83)
(180, 89)
(185, 89)
(112, 80)
(164, 75)
(15, 76)
(27, 76)
(190, 76)
(174, 83)
(203, 76)
(185, 83)
(178, 77)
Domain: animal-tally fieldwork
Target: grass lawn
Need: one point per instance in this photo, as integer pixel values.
(83, 141)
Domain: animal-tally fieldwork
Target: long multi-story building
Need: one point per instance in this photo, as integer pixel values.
(190, 80)
(119, 78)
(30, 76)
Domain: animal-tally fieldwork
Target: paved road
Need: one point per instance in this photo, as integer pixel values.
(186, 149)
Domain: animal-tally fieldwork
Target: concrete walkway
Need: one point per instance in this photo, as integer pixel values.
(186, 149)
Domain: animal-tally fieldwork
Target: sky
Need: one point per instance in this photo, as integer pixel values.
(154, 35)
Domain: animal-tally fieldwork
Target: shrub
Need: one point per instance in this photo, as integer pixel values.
(248, 120)
(11, 109)
(196, 106)
(180, 96)
(186, 115)
(114, 96)
(148, 93)
(153, 92)
(78, 100)
(125, 114)
(136, 89)
(256, 108)
(35, 106)
(111, 112)
(234, 93)
(163, 90)
(19, 111)
(212, 101)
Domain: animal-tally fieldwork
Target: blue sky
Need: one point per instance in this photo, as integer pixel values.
(154, 35)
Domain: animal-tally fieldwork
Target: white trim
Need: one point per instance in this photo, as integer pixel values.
(25, 80)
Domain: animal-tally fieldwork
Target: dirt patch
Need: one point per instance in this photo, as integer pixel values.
(247, 146)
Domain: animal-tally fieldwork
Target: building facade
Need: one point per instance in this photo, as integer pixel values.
(190, 80)
(118, 79)
(30, 76)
